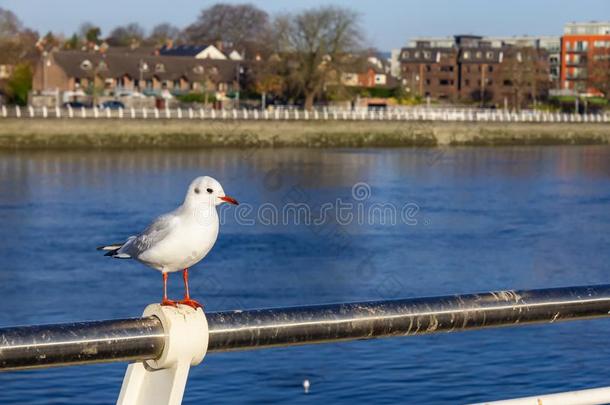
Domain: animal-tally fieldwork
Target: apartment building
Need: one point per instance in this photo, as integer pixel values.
(583, 46)
(474, 68)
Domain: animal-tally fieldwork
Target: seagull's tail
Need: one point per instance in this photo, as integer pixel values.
(113, 251)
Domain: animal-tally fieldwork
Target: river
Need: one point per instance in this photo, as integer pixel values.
(363, 224)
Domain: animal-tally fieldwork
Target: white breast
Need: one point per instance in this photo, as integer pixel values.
(188, 242)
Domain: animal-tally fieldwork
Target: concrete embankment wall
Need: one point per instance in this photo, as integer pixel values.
(101, 133)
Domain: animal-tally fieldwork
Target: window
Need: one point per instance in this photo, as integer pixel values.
(159, 68)
(467, 55)
(144, 67)
(405, 54)
(479, 54)
(198, 70)
(490, 69)
(443, 82)
(466, 82)
(427, 54)
(428, 82)
(490, 55)
(507, 82)
(86, 64)
(177, 84)
(428, 68)
(446, 68)
(417, 54)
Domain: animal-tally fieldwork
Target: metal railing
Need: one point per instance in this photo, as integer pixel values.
(143, 338)
(390, 114)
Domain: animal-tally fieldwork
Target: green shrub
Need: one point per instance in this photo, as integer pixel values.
(20, 84)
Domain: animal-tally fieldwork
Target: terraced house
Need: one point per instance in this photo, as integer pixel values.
(116, 73)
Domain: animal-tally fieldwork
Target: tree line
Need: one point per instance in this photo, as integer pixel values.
(299, 54)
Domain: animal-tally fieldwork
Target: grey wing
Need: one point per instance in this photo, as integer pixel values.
(153, 234)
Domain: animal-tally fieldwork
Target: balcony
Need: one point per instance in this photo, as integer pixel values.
(580, 62)
(574, 77)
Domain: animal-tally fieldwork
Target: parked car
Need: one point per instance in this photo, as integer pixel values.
(75, 104)
(111, 105)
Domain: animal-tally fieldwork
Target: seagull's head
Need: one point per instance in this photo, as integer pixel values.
(207, 190)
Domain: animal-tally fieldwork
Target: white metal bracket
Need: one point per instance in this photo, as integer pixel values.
(162, 381)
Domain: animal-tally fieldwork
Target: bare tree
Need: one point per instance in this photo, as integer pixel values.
(525, 73)
(316, 47)
(9, 24)
(131, 34)
(17, 44)
(599, 71)
(163, 33)
(241, 26)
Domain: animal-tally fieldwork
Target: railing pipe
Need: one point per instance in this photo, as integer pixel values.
(241, 330)
(80, 343)
(143, 338)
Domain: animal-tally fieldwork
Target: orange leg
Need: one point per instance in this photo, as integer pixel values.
(187, 297)
(165, 301)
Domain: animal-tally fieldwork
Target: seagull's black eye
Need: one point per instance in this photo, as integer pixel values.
(209, 190)
(196, 191)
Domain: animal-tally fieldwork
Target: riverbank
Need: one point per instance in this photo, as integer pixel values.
(83, 133)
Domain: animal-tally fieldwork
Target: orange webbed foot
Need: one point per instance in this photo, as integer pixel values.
(191, 303)
(169, 303)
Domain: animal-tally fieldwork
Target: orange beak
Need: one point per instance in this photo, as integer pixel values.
(230, 200)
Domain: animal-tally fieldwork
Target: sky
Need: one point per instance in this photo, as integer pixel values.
(387, 23)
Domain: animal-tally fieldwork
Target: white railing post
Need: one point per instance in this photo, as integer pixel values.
(120, 112)
(108, 113)
(201, 113)
(132, 112)
(31, 111)
(17, 111)
(70, 112)
(144, 112)
(163, 381)
(45, 111)
(83, 112)
(168, 113)
(57, 112)
(4, 111)
(190, 113)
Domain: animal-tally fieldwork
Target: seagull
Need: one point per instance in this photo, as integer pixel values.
(179, 239)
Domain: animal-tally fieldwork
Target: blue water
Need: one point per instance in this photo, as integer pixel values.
(480, 219)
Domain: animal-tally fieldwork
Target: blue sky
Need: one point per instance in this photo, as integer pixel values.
(388, 23)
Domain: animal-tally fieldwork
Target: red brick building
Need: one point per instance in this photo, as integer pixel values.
(470, 68)
(583, 45)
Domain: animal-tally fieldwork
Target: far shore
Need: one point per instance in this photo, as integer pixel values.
(127, 134)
